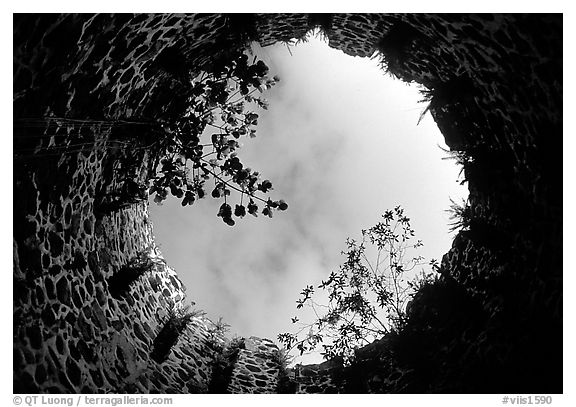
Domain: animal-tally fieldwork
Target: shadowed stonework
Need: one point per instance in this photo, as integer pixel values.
(92, 293)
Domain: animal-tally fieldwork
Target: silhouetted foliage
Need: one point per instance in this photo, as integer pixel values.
(130, 193)
(460, 215)
(480, 230)
(485, 167)
(120, 282)
(242, 25)
(460, 89)
(321, 20)
(396, 47)
(282, 358)
(366, 298)
(461, 158)
(216, 334)
(176, 323)
(172, 61)
(224, 366)
(217, 102)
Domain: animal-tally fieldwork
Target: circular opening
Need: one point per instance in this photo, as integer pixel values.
(341, 144)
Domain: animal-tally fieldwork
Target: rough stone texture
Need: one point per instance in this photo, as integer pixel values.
(256, 370)
(86, 90)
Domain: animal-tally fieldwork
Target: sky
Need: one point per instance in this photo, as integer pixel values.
(341, 145)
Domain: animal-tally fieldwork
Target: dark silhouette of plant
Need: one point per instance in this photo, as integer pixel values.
(321, 20)
(130, 193)
(224, 366)
(216, 110)
(481, 230)
(243, 25)
(216, 334)
(366, 298)
(220, 327)
(483, 166)
(462, 158)
(120, 282)
(177, 321)
(397, 47)
(460, 215)
(460, 89)
(283, 359)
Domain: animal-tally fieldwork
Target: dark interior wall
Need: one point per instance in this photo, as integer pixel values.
(496, 95)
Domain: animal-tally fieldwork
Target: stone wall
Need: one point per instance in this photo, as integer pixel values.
(88, 93)
(256, 369)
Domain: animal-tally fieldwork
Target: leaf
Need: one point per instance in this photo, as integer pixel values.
(252, 208)
(225, 211)
(264, 186)
(175, 191)
(240, 211)
(270, 203)
(241, 176)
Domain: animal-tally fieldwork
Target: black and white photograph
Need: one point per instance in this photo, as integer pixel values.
(287, 203)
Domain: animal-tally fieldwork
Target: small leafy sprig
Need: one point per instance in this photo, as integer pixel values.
(367, 295)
